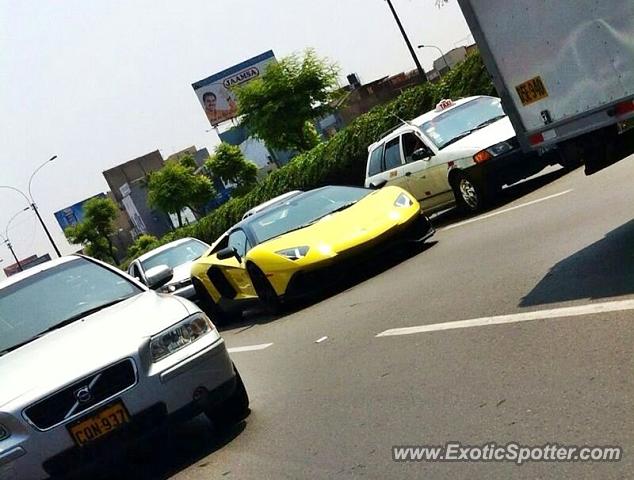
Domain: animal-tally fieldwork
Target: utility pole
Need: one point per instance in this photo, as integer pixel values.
(31, 203)
(419, 67)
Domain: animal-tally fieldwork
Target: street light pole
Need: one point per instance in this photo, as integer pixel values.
(15, 257)
(419, 67)
(441, 54)
(10, 247)
(32, 204)
(48, 234)
(6, 237)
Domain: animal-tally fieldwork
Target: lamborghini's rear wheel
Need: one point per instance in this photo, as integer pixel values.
(264, 289)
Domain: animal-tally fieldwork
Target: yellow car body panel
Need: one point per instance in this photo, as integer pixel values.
(329, 239)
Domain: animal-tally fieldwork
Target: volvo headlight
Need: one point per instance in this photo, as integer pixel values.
(403, 201)
(180, 335)
(294, 253)
(4, 432)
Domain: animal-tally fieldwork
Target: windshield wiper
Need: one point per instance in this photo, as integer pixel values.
(490, 121)
(458, 137)
(471, 130)
(85, 313)
(63, 323)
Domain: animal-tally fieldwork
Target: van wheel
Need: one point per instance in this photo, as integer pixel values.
(470, 195)
(264, 289)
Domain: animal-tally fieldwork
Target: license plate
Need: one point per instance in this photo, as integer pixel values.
(99, 424)
(531, 91)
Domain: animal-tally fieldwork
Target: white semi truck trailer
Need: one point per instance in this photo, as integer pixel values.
(565, 72)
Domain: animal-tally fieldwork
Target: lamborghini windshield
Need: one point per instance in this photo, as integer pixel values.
(303, 210)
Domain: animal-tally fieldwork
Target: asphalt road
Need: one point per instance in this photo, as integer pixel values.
(334, 408)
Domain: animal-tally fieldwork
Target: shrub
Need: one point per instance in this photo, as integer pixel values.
(342, 159)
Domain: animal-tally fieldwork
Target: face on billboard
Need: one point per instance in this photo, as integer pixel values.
(215, 92)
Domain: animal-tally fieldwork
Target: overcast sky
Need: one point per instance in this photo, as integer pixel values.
(100, 82)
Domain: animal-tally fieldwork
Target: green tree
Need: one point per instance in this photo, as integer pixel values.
(176, 186)
(142, 244)
(187, 160)
(229, 165)
(95, 230)
(279, 107)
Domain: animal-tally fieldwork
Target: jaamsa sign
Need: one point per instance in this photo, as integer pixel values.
(215, 93)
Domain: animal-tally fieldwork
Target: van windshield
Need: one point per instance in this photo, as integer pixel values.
(452, 125)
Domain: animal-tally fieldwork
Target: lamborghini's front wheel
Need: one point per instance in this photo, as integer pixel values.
(266, 293)
(207, 304)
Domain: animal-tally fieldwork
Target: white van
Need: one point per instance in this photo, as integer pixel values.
(461, 152)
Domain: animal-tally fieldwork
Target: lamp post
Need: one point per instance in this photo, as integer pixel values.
(6, 237)
(419, 67)
(441, 54)
(31, 202)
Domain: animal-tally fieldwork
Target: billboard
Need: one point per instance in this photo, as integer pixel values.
(215, 95)
(74, 214)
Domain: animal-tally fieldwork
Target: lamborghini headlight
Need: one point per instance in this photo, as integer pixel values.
(403, 201)
(180, 335)
(4, 432)
(294, 253)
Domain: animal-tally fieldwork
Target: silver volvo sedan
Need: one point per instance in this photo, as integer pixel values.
(91, 359)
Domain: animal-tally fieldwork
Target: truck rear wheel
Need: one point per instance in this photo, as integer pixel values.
(570, 155)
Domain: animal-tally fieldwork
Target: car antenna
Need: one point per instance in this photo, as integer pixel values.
(403, 122)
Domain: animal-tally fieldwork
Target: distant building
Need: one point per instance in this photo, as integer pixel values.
(450, 59)
(74, 214)
(255, 150)
(356, 98)
(26, 263)
(200, 156)
(128, 183)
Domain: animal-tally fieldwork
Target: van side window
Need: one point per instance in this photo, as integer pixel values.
(375, 161)
(393, 154)
(411, 143)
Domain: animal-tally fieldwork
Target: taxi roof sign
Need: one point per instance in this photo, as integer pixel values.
(444, 104)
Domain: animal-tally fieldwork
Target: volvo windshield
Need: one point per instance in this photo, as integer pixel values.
(53, 297)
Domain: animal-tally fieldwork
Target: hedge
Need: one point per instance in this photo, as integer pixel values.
(342, 159)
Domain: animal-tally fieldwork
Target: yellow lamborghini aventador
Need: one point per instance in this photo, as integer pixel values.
(287, 249)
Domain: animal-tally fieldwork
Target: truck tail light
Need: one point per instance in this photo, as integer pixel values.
(624, 108)
(536, 139)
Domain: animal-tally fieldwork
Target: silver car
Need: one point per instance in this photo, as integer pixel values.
(178, 257)
(90, 359)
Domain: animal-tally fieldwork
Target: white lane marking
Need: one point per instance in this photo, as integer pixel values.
(590, 309)
(322, 339)
(500, 212)
(249, 348)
